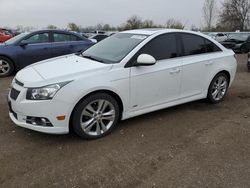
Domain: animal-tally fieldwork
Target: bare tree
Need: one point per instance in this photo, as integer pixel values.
(174, 24)
(133, 22)
(235, 15)
(74, 27)
(209, 13)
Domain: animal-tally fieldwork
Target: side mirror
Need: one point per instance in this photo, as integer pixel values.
(93, 40)
(145, 60)
(23, 43)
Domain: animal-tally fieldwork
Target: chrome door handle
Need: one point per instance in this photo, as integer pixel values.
(209, 63)
(176, 71)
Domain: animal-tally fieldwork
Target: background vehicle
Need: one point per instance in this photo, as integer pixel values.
(218, 36)
(238, 42)
(99, 37)
(28, 48)
(126, 75)
(5, 35)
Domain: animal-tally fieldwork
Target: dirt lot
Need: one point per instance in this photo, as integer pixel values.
(192, 145)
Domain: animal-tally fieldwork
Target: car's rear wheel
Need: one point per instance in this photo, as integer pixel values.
(6, 67)
(218, 88)
(95, 116)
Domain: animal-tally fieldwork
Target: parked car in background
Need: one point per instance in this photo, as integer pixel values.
(28, 48)
(218, 36)
(126, 75)
(5, 35)
(238, 42)
(248, 62)
(99, 37)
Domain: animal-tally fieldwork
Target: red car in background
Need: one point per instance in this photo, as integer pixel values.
(5, 35)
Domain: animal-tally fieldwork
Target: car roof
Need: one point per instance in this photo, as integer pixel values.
(152, 31)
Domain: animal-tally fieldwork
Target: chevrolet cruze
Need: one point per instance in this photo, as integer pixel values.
(126, 75)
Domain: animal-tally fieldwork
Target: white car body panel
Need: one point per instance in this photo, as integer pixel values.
(141, 89)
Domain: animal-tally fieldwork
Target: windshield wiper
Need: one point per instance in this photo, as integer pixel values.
(92, 58)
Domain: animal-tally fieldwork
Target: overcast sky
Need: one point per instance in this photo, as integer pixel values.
(41, 13)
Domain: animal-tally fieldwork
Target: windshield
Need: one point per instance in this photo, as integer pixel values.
(113, 49)
(238, 36)
(16, 38)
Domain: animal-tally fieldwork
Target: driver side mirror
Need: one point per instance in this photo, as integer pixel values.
(23, 43)
(145, 60)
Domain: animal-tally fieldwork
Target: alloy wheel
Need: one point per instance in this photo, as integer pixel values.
(4, 67)
(219, 88)
(97, 117)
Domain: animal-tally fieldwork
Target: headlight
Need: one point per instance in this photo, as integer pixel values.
(44, 93)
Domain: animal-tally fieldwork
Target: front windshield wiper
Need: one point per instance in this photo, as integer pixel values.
(92, 58)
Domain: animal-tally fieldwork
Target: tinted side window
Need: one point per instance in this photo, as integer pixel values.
(161, 47)
(60, 37)
(211, 47)
(38, 38)
(193, 44)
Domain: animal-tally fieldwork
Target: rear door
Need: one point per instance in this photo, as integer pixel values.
(38, 48)
(64, 43)
(198, 61)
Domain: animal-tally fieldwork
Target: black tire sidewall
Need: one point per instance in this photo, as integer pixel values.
(82, 104)
(10, 64)
(209, 95)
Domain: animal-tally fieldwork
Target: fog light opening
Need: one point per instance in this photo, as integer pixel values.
(39, 121)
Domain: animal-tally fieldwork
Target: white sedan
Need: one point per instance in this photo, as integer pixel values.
(126, 75)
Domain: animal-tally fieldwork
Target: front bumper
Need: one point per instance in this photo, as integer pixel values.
(20, 109)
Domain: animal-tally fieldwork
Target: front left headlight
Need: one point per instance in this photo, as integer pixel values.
(44, 93)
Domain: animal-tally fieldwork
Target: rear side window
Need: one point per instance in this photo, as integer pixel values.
(161, 47)
(211, 47)
(193, 44)
(61, 37)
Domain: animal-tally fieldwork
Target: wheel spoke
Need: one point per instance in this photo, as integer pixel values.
(104, 128)
(89, 127)
(108, 115)
(98, 129)
(90, 108)
(87, 113)
(87, 123)
(215, 93)
(100, 105)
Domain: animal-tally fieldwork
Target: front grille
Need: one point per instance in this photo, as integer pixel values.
(19, 83)
(14, 93)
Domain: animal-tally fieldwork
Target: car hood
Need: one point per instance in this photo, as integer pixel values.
(60, 69)
(233, 41)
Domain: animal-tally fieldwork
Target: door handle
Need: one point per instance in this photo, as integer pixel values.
(175, 71)
(209, 63)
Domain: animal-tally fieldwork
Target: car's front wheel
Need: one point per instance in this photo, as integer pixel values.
(95, 116)
(218, 88)
(6, 67)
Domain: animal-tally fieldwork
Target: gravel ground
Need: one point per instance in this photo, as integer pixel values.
(192, 145)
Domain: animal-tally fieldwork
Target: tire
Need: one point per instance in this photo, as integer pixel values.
(95, 116)
(218, 88)
(6, 67)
